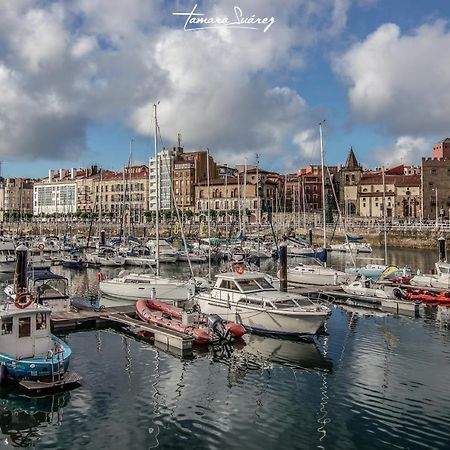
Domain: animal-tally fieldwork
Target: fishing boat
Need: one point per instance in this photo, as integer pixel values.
(249, 298)
(28, 351)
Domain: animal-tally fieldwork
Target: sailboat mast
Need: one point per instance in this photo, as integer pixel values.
(130, 163)
(323, 186)
(384, 217)
(209, 214)
(227, 204)
(258, 210)
(244, 208)
(155, 106)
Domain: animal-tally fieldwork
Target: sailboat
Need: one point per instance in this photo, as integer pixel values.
(135, 286)
(318, 274)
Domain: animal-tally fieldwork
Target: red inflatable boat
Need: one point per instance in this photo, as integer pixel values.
(168, 316)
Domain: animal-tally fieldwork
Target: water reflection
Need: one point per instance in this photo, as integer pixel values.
(23, 418)
(256, 352)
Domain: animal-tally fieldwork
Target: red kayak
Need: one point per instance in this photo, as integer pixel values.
(236, 329)
(150, 316)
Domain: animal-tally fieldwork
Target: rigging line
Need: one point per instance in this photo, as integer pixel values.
(183, 236)
(341, 220)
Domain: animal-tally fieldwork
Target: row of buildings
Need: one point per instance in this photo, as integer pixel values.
(196, 183)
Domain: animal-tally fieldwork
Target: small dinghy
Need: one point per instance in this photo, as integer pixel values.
(91, 303)
(203, 329)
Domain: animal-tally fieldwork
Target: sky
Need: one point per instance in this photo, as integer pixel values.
(79, 78)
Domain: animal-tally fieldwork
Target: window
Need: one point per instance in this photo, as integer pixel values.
(229, 285)
(24, 327)
(41, 321)
(7, 325)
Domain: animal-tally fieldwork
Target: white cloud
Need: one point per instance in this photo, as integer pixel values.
(406, 150)
(400, 81)
(65, 66)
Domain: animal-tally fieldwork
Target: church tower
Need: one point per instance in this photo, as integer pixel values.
(349, 178)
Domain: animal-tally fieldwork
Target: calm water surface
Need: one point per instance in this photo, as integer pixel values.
(375, 381)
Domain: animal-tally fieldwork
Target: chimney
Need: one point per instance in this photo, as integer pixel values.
(72, 173)
(50, 175)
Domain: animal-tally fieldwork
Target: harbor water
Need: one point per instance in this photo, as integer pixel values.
(374, 381)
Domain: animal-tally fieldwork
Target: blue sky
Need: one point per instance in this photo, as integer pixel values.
(78, 79)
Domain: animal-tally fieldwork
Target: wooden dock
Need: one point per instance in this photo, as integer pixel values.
(164, 338)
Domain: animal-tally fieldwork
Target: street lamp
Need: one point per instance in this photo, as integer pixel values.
(436, 194)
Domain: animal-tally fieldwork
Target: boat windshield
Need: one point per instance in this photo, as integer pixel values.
(249, 285)
(264, 283)
(286, 303)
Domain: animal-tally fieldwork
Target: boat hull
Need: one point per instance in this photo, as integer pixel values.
(37, 369)
(264, 321)
(136, 291)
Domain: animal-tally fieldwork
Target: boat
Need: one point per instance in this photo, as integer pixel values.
(166, 254)
(194, 256)
(190, 323)
(368, 288)
(28, 351)
(317, 274)
(47, 288)
(351, 247)
(440, 280)
(7, 256)
(140, 256)
(249, 298)
(74, 261)
(105, 256)
(134, 286)
(428, 297)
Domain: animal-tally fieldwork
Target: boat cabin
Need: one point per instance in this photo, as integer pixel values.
(25, 333)
(244, 283)
(49, 289)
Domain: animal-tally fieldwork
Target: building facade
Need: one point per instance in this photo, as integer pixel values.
(436, 188)
(16, 197)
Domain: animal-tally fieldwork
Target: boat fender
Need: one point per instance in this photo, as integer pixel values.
(18, 300)
(398, 294)
(100, 276)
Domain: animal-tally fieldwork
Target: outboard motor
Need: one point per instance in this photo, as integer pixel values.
(216, 326)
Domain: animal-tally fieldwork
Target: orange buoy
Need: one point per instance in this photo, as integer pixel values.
(18, 300)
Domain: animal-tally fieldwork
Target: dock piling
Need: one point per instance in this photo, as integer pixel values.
(283, 268)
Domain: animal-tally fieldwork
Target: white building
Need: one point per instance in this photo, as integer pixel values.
(165, 173)
(54, 196)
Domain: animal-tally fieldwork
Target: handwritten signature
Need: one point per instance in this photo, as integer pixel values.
(198, 21)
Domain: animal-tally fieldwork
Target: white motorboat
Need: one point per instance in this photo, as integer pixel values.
(317, 275)
(167, 254)
(7, 256)
(440, 280)
(105, 257)
(367, 288)
(195, 256)
(136, 286)
(139, 256)
(251, 300)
